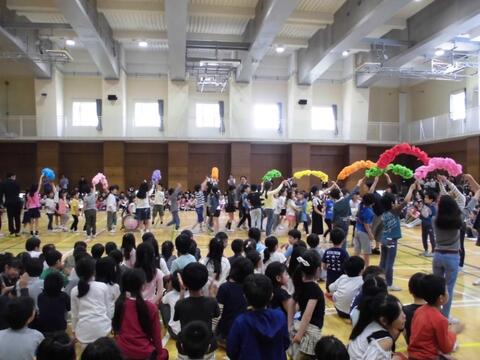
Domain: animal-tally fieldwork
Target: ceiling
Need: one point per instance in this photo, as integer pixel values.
(133, 21)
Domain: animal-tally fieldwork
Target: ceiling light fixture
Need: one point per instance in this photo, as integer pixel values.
(345, 53)
(280, 49)
(439, 52)
(70, 42)
(142, 44)
(464, 35)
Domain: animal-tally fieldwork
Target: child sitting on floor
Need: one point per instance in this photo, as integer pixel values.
(260, 333)
(346, 286)
(334, 257)
(430, 333)
(415, 289)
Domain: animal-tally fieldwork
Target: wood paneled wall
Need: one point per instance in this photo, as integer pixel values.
(128, 163)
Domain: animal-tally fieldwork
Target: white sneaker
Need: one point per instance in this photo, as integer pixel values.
(429, 254)
(112, 231)
(476, 282)
(453, 321)
(394, 288)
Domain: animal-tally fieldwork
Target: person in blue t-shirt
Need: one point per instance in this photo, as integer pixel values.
(334, 257)
(328, 216)
(392, 232)
(364, 234)
(427, 213)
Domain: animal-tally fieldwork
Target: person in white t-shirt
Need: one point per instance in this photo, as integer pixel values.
(158, 203)
(271, 253)
(346, 286)
(112, 208)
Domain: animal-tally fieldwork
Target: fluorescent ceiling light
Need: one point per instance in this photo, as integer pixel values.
(70, 42)
(280, 49)
(464, 35)
(142, 44)
(345, 53)
(439, 52)
(476, 38)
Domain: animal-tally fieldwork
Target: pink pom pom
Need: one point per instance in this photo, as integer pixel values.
(438, 163)
(100, 179)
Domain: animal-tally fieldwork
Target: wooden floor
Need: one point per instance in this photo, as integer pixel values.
(466, 304)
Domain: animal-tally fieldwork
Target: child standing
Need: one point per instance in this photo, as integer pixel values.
(262, 333)
(112, 208)
(75, 211)
(364, 234)
(50, 208)
(346, 286)
(230, 207)
(328, 216)
(311, 302)
(173, 198)
(135, 323)
(199, 206)
(90, 212)
(430, 332)
(158, 203)
(334, 258)
(62, 210)
(255, 203)
(33, 206)
(427, 214)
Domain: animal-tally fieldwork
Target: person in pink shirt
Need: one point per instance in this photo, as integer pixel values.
(62, 209)
(145, 260)
(33, 206)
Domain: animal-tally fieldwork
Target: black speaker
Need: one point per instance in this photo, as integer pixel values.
(302, 102)
(112, 97)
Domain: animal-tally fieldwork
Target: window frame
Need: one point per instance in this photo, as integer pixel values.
(158, 119)
(215, 123)
(257, 122)
(313, 117)
(84, 101)
(450, 112)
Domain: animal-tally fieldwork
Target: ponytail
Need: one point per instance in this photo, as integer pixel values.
(85, 270)
(271, 243)
(308, 264)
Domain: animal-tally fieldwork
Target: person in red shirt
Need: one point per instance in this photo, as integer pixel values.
(136, 323)
(431, 336)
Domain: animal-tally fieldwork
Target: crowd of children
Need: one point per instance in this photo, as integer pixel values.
(267, 301)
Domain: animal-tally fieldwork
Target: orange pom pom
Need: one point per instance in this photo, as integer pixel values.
(215, 173)
(353, 168)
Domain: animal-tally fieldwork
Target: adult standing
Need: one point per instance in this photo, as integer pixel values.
(238, 195)
(9, 196)
(83, 186)
(64, 182)
(269, 204)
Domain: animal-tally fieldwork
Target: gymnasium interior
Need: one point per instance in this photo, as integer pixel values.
(126, 87)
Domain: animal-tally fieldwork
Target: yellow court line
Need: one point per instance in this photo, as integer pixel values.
(460, 346)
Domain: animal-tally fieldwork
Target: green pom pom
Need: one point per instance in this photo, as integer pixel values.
(400, 170)
(271, 174)
(374, 172)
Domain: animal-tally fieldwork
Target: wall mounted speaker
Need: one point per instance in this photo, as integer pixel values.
(112, 97)
(302, 102)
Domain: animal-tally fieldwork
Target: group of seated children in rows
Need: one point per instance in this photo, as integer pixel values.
(261, 303)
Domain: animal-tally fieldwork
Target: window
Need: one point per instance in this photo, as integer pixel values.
(458, 107)
(323, 118)
(266, 116)
(207, 115)
(84, 113)
(147, 114)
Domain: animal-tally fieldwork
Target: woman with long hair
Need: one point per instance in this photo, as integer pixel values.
(217, 265)
(153, 289)
(230, 207)
(446, 259)
(135, 323)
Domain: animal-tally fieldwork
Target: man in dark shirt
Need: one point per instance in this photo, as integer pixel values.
(9, 197)
(83, 186)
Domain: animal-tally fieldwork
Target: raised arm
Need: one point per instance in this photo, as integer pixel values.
(277, 190)
(40, 183)
(389, 180)
(374, 185)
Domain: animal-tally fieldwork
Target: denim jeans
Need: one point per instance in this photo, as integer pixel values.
(387, 259)
(446, 265)
(199, 211)
(256, 215)
(269, 216)
(175, 220)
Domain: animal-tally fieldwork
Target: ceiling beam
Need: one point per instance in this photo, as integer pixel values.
(261, 32)
(310, 18)
(101, 46)
(176, 13)
(437, 23)
(352, 22)
(24, 42)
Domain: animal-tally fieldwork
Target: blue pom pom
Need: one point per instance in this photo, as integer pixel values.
(49, 174)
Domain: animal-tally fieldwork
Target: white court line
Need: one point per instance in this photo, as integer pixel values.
(165, 339)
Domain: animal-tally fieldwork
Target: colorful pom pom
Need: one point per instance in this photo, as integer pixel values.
(271, 174)
(156, 176)
(100, 179)
(214, 173)
(317, 173)
(48, 173)
(439, 163)
(389, 155)
(353, 168)
(400, 170)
